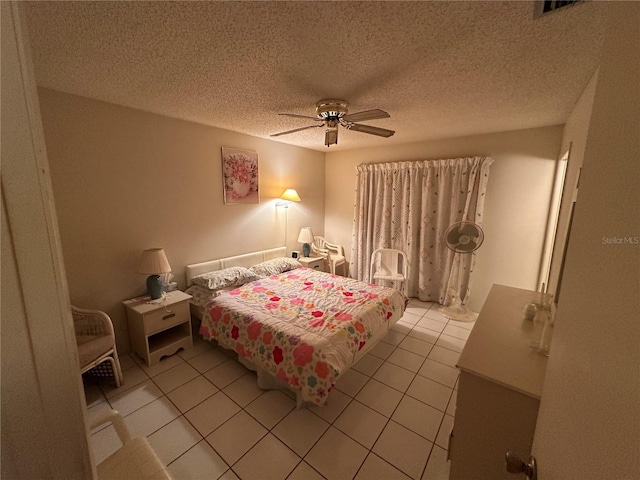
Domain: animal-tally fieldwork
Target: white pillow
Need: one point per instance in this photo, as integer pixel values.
(227, 277)
(275, 266)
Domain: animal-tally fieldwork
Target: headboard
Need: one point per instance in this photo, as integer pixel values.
(244, 260)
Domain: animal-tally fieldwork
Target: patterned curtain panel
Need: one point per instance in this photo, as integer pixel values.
(409, 206)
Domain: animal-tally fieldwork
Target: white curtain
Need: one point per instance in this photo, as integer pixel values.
(409, 206)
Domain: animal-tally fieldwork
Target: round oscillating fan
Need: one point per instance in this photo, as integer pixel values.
(463, 238)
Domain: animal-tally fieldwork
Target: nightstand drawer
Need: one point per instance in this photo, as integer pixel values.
(164, 318)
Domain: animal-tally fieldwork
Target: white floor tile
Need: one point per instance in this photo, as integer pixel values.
(430, 392)
(418, 417)
(334, 406)
(394, 376)
(457, 332)
(192, 393)
(438, 466)
(162, 366)
(199, 346)
(361, 423)
(435, 314)
(444, 432)
(380, 397)
(352, 381)
(104, 442)
(382, 350)
(131, 377)
(450, 343)
(174, 439)
(402, 327)
(244, 390)
(406, 359)
(146, 420)
(96, 412)
(443, 355)
(415, 345)
(226, 373)
(424, 334)
(213, 412)
(208, 359)
(304, 471)
(229, 475)
(299, 430)
(432, 324)
(403, 449)
(466, 325)
(375, 468)
(336, 456)
(135, 398)
(200, 461)
(174, 377)
(411, 317)
(259, 464)
(416, 310)
(439, 372)
(236, 437)
(270, 408)
(368, 364)
(393, 338)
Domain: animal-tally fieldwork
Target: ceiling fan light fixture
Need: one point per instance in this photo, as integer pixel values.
(332, 112)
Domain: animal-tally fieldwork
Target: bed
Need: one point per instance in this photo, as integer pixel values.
(298, 328)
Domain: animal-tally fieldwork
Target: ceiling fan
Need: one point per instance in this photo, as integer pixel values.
(332, 112)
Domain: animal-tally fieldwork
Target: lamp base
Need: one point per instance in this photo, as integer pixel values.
(306, 249)
(154, 286)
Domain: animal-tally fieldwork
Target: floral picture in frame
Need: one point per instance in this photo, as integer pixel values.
(240, 176)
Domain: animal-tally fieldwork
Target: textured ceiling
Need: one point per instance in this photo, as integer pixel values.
(441, 69)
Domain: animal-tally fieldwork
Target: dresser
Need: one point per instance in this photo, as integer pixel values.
(499, 388)
(160, 327)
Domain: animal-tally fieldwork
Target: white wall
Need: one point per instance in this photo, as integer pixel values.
(125, 180)
(516, 206)
(589, 419)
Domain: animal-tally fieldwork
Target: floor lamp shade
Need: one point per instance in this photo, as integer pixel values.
(154, 263)
(306, 238)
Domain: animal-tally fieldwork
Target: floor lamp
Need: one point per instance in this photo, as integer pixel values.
(289, 195)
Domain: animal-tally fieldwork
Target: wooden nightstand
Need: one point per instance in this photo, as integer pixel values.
(160, 327)
(317, 263)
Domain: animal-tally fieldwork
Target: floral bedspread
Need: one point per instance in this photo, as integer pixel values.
(303, 326)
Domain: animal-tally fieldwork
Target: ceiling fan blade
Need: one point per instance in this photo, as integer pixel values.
(295, 115)
(295, 130)
(381, 132)
(331, 137)
(366, 115)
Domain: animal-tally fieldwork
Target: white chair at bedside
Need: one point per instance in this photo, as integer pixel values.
(391, 265)
(331, 252)
(96, 343)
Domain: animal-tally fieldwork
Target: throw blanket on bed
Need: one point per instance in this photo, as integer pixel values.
(305, 327)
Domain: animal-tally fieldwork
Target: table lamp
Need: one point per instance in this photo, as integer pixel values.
(154, 263)
(306, 238)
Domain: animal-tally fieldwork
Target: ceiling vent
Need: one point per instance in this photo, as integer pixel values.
(547, 6)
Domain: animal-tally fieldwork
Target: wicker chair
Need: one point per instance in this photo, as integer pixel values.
(96, 344)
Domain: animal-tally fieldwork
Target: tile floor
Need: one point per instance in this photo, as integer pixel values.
(388, 417)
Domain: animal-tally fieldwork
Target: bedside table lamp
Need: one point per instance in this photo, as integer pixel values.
(153, 263)
(306, 238)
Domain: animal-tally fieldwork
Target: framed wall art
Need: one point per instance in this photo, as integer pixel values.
(240, 176)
